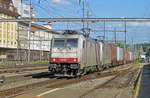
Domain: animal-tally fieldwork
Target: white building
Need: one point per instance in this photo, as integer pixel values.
(40, 40)
(22, 9)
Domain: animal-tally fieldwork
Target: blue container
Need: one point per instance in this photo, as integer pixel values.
(143, 60)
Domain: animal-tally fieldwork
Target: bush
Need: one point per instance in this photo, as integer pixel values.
(18, 62)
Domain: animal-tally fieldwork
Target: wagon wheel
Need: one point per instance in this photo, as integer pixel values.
(84, 71)
(99, 68)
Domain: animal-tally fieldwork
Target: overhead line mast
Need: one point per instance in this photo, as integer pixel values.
(86, 30)
(88, 25)
(29, 33)
(83, 16)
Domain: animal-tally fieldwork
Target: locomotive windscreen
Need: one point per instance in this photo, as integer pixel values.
(59, 42)
(70, 42)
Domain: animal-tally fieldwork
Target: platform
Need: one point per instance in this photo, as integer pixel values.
(144, 91)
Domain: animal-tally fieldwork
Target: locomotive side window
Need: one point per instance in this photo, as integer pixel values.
(59, 42)
(83, 44)
(72, 42)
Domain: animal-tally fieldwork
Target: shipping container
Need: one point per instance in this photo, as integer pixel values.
(120, 55)
(126, 55)
(107, 55)
(113, 52)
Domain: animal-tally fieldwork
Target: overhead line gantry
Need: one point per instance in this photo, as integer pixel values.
(77, 20)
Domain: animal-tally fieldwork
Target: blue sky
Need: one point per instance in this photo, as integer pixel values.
(98, 8)
(121, 8)
(139, 32)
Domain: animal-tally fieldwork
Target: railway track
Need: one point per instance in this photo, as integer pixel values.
(42, 74)
(129, 73)
(16, 70)
(19, 78)
(22, 65)
(54, 83)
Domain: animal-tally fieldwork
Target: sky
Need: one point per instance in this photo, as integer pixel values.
(137, 31)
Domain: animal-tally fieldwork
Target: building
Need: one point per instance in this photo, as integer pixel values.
(40, 41)
(14, 37)
(22, 9)
(8, 30)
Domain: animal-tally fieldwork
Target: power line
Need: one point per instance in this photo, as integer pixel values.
(47, 11)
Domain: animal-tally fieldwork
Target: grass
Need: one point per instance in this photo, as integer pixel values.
(23, 62)
(138, 61)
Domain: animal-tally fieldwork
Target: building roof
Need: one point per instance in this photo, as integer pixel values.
(39, 27)
(44, 28)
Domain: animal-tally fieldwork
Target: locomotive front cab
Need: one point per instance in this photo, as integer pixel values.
(64, 56)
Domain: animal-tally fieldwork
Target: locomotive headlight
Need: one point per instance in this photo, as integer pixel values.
(54, 59)
(74, 60)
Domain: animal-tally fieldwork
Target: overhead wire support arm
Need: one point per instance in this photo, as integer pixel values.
(52, 30)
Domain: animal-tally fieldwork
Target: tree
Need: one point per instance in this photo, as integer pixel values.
(120, 45)
(148, 51)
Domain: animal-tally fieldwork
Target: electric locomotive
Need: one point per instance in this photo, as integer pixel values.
(73, 54)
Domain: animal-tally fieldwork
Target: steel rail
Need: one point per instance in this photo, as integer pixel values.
(50, 84)
(107, 82)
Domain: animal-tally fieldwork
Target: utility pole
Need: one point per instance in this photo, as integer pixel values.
(83, 13)
(104, 57)
(104, 31)
(88, 26)
(115, 34)
(125, 42)
(132, 45)
(18, 41)
(29, 33)
(83, 28)
(133, 51)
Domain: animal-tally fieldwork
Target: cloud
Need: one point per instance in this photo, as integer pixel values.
(132, 24)
(129, 24)
(115, 25)
(59, 3)
(139, 24)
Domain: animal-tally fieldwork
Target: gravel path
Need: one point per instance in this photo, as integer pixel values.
(89, 83)
(20, 83)
(111, 93)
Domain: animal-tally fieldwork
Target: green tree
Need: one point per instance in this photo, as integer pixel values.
(120, 45)
(148, 51)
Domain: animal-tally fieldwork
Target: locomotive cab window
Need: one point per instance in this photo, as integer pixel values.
(59, 42)
(73, 42)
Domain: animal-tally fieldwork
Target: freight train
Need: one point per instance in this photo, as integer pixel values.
(75, 54)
